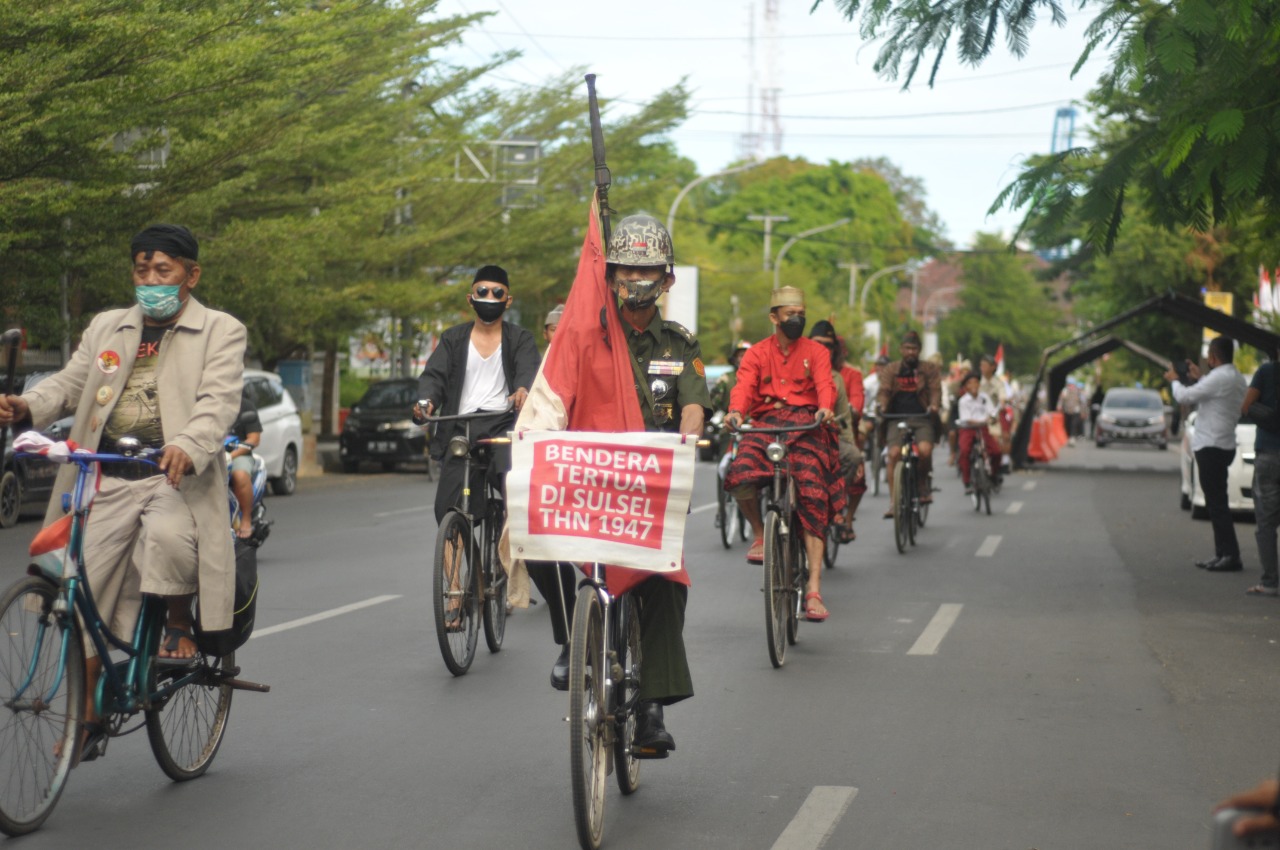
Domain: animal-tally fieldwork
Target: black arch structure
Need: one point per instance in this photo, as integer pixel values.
(1171, 304)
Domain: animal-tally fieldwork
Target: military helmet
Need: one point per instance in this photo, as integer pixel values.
(640, 240)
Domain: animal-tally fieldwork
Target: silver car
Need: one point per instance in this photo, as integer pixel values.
(1131, 415)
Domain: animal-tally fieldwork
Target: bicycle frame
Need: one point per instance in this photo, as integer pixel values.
(125, 681)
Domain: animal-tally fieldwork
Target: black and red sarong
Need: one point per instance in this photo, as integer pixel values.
(815, 465)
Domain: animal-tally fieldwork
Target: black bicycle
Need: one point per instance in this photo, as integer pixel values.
(980, 480)
(909, 511)
(874, 454)
(468, 579)
(786, 565)
(604, 688)
(729, 517)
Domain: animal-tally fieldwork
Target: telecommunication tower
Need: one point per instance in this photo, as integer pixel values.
(770, 122)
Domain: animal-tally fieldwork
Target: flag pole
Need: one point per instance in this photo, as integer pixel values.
(603, 178)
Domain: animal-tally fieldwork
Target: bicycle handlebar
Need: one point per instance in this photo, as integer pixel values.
(459, 417)
(86, 458)
(744, 428)
(887, 416)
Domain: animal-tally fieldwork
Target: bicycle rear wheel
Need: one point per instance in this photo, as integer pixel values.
(777, 591)
(901, 507)
(922, 508)
(877, 465)
(831, 545)
(185, 727)
(454, 593)
(797, 576)
(41, 704)
(626, 693)
(495, 585)
(744, 527)
(588, 725)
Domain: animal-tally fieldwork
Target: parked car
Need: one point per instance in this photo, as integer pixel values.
(380, 427)
(1239, 474)
(281, 443)
(26, 483)
(1131, 415)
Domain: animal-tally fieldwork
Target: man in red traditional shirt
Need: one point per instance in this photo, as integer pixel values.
(785, 380)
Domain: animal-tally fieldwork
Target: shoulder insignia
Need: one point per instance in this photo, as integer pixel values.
(699, 368)
(680, 329)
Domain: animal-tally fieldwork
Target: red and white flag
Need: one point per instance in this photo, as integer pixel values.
(586, 383)
(1266, 301)
(1000, 359)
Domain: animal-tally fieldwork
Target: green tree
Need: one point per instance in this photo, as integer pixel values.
(1192, 90)
(1001, 304)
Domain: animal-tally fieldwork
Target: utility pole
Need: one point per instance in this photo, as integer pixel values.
(853, 279)
(768, 220)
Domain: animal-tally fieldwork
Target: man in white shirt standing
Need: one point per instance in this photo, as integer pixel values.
(1218, 396)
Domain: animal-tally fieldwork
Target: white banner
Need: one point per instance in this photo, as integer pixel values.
(608, 498)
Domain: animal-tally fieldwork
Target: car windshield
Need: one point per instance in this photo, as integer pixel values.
(398, 394)
(1133, 399)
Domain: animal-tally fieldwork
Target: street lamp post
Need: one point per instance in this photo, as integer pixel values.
(866, 286)
(924, 314)
(777, 263)
(671, 214)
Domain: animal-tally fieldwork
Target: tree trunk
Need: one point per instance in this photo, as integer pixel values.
(328, 395)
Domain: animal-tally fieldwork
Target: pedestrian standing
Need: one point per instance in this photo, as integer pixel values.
(1218, 396)
(1261, 405)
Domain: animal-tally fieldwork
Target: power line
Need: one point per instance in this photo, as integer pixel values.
(901, 117)
(573, 37)
(527, 34)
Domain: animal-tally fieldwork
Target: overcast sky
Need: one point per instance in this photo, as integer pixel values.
(965, 137)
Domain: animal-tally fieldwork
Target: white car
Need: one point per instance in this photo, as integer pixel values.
(1239, 474)
(281, 443)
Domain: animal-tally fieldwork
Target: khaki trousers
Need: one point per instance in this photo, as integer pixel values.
(141, 538)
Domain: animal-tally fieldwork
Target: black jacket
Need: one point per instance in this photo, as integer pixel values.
(441, 380)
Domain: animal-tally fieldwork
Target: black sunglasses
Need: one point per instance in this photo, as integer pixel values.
(498, 292)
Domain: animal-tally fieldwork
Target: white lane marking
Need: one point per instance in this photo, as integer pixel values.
(702, 508)
(931, 638)
(1030, 485)
(412, 510)
(817, 818)
(323, 615)
(988, 547)
(1014, 508)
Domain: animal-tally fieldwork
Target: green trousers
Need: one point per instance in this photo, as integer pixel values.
(664, 668)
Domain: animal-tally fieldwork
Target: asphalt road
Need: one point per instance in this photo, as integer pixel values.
(1056, 675)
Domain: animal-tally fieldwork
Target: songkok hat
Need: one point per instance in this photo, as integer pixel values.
(172, 239)
(553, 318)
(492, 274)
(787, 296)
(910, 338)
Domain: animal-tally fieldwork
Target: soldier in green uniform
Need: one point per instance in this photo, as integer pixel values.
(670, 381)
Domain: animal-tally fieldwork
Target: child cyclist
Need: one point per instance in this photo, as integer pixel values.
(976, 411)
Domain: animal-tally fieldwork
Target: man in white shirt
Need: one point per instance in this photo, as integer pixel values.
(1218, 396)
(976, 413)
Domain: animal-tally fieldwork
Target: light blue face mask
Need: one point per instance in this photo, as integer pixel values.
(158, 302)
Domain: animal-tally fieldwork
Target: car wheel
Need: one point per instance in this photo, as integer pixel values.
(1199, 512)
(287, 483)
(350, 465)
(10, 498)
(1162, 446)
(1102, 444)
(389, 466)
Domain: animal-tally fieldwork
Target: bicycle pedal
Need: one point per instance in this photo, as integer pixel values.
(649, 753)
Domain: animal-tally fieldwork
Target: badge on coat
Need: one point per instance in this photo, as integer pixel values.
(659, 388)
(108, 362)
(104, 395)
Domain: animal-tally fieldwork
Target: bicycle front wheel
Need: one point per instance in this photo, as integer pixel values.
(777, 592)
(726, 516)
(797, 576)
(454, 593)
(41, 704)
(922, 508)
(495, 586)
(588, 723)
(901, 507)
(186, 725)
(626, 693)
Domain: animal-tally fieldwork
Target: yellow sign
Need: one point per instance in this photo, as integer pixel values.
(1223, 302)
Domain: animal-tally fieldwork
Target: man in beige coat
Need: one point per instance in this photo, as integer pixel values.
(168, 371)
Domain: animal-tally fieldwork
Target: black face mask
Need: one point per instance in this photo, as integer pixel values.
(489, 311)
(792, 327)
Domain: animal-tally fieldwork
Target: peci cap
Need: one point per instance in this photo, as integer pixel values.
(787, 296)
(172, 239)
(553, 318)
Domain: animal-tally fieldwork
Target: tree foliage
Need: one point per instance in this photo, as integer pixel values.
(1192, 89)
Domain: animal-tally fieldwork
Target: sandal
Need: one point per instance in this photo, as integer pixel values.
(172, 640)
(755, 555)
(1262, 590)
(846, 534)
(812, 615)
